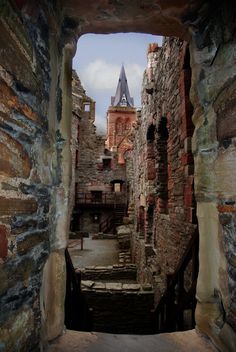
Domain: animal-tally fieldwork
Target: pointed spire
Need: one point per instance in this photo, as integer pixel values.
(122, 97)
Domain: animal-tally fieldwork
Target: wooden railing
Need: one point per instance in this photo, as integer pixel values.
(169, 313)
(77, 314)
(103, 198)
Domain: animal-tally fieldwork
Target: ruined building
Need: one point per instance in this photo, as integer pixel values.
(100, 194)
(162, 186)
(38, 41)
(161, 190)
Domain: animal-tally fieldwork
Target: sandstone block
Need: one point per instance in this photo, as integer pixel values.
(87, 283)
(131, 287)
(116, 286)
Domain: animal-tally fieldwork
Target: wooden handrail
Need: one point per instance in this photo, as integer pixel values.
(169, 313)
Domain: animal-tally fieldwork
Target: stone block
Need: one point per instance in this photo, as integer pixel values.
(99, 286)
(87, 283)
(14, 161)
(131, 287)
(114, 286)
(12, 206)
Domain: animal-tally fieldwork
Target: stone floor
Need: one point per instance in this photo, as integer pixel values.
(96, 252)
(188, 341)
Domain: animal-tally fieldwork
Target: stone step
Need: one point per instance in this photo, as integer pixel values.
(125, 257)
(127, 287)
(75, 341)
(110, 273)
(120, 307)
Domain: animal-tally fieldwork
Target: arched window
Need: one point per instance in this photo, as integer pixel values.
(151, 134)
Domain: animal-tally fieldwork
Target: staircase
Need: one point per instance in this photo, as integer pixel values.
(119, 213)
(118, 303)
(177, 306)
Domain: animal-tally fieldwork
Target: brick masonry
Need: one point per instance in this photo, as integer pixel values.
(162, 186)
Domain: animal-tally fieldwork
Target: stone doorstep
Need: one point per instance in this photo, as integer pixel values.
(92, 341)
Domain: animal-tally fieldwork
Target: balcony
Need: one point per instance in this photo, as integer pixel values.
(98, 198)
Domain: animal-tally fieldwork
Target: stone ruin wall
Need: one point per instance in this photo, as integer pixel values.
(163, 164)
(33, 183)
(89, 173)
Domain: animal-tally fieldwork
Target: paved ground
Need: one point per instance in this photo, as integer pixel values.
(95, 252)
(188, 341)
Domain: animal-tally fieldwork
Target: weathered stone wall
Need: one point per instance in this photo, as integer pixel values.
(78, 97)
(213, 97)
(163, 165)
(34, 178)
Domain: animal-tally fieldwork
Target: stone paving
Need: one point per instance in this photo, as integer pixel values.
(188, 341)
(96, 252)
(119, 304)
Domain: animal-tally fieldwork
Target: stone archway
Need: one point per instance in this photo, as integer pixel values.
(35, 96)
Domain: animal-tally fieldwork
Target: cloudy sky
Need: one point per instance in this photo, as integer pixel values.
(98, 62)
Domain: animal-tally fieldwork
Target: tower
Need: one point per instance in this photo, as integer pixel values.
(121, 116)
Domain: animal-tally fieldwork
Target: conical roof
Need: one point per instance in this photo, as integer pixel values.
(122, 97)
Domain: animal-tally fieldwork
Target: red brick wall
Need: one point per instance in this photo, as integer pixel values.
(163, 163)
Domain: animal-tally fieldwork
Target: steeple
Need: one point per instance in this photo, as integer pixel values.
(122, 97)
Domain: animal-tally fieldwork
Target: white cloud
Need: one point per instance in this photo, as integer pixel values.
(134, 73)
(102, 75)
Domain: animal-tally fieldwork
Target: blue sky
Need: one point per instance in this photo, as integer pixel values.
(98, 62)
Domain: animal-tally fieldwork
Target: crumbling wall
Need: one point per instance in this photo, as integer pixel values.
(34, 176)
(91, 171)
(213, 96)
(163, 164)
